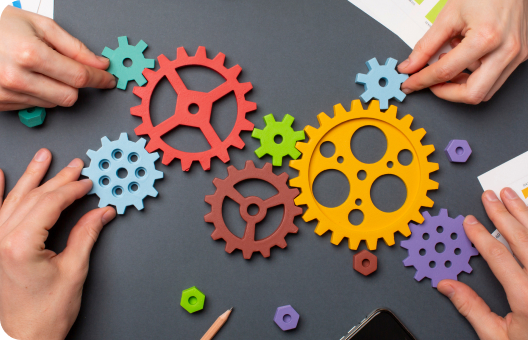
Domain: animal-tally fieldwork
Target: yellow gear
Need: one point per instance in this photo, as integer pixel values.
(339, 131)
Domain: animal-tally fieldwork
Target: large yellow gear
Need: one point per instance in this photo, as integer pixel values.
(376, 223)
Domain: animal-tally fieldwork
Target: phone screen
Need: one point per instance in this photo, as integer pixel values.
(382, 324)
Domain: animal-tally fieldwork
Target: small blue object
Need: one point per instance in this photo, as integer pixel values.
(17, 4)
(387, 73)
(122, 172)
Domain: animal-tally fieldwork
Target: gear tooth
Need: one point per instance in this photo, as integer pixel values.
(269, 119)
(372, 243)
(408, 262)
(295, 182)
(282, 243)
(392, 111)
(366, 96)
(309, 215)
(356, 106)
(158, 174)
(122, 84)
(294, 154)
(459, 219)
(249, 107)
(231, 170)
(384, 103)
(256, 133)
(405, 230)
(120, 209)
(406, 121)
(302, 147)
(419, 134)
(374, 106)
(250, 165)
(310, 131)
(399, 96)
(467, 268)
(296, 164)
(432, 167)
(164, 61)
(402, 77)
(265, 252)
(361, 78)
(201, 52)
(247, 253)
(432, 185)
(353, 242)
(136, 110)
(108, 53)
(139, 205)
(299, 136)
(142, 129)
(245, 87)
(123, 136)
(426, 215)
(427, 202)
(300, 200)
(323, 118)
(320, 229)
(217, 182)
(141, 46)
(219, 59)
(428, 149)
(85, 172)
(246, 125)
(122, 41)
(419, 276)
(140, 80)
(288, 120)
(267, 166)
(277, 160)
(209, 199)
(417, 217)
(167, 158)
(105, 141)
(149, 63)
(181, 53)
(229, 248)
(141, 92)
(235, 71)
(339, 110)
(209, 217)
(152, 192)
(185, 163)
(391, 62)
(238, 142)
(435, 280)
(404, 244)
(215, 235)
(284, 177)
(141, 143)
(372, 63)
(443, 213)
(389, 239)
(205, 162)
(336, 238)
(223, 155)
(92, 154)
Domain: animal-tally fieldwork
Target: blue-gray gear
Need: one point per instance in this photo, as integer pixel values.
(122, 172)
(371, 81)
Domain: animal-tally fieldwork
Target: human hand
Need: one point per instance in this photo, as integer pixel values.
(42, 65)
(511, 219)
(489, 38)
(40, 291)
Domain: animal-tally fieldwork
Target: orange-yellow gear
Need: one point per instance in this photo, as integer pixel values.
(376, 223)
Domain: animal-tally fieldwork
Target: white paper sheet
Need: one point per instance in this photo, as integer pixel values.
(42, 7)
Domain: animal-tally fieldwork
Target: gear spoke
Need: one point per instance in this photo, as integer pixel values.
(274, 201)
(166, 126)
(249, 233)
(210, 134)
(221, 90)
(176, 81)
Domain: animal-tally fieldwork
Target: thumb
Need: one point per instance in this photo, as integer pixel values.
(487, 324)
(84, 235)
(68, 45)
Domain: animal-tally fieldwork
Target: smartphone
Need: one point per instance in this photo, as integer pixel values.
(381, 324)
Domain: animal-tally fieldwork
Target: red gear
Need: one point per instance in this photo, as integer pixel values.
(186, 97)
(226, 188)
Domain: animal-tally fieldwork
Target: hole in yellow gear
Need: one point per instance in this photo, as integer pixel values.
(368, 144)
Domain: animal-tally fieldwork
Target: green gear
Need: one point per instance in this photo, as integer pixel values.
(132, 72)
(267, 139)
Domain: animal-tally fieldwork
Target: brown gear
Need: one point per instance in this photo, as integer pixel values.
(226, 188)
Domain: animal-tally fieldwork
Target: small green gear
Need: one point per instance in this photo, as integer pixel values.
(267, 139)
(135, 70)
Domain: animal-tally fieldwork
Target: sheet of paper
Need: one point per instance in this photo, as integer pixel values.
(42, 7)
(513, 174)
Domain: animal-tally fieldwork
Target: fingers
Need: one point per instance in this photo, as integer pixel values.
(8, 97)
(84, 235)
(502, 79)
(71, 72)
(69, 46)
(487, 324)
(2, 187)
(499, 259)
(31, 179)
(445, 28)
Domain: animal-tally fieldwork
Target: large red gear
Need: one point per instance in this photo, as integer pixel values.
(186, 97)
(226, 188)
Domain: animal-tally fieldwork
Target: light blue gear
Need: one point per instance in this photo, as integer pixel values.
(124, 73)
(141, 173)
(373, 89)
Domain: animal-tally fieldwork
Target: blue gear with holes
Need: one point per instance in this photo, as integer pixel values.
(373, 89)
(109, 160)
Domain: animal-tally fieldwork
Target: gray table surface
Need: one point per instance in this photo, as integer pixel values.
(301, 57)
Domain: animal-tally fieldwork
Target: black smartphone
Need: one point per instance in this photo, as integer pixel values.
(381, 324)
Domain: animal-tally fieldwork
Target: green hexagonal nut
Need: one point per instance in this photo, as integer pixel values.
(33, 116)
(192, 300)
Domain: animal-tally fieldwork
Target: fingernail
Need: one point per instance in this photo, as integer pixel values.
(441, 56)
(406, 90)
(86, 180)
(41, 155)
(405, 63)
(470, 220)
(102, 59)
(447, 290)
(75, 163)
(109, 215)
(510, 194)
(112, 83)
(490, 196)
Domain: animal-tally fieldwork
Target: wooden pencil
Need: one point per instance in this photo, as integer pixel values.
(216, 325)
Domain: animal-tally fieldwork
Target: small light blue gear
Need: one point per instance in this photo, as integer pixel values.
(388, 73)
(124, 73)
(122, 172)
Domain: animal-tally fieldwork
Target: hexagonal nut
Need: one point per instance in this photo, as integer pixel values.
(33, 116)
(458, 151)
(286, 318)
(192, 300)
(365, 262)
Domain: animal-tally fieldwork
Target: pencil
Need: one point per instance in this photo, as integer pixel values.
(216, 325)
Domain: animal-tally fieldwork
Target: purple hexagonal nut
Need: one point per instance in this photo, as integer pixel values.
(286, 318)
(458, 151)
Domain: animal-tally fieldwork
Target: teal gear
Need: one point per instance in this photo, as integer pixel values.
(267, 139)
(135, 54)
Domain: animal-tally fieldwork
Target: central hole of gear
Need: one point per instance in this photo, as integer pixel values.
(277, 139)
(459, 151)
(253, 209)
(365, 263)
(194, 108)
(193, 300)
(31, 109)
(122, 173)
(440, 247)
(383, 82)
(127, 62)
(286, 318)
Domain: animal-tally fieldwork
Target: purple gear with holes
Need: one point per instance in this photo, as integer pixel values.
(287, 323)
(417, 243)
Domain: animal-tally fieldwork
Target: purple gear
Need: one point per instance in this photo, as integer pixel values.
(422, 245)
